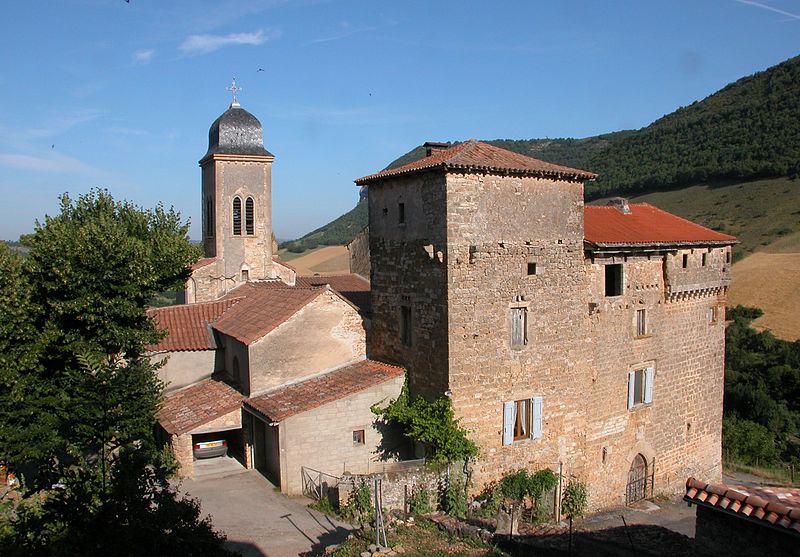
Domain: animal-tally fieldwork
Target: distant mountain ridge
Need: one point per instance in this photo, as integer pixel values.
(748, 130)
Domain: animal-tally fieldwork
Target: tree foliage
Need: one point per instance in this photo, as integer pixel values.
(432, 424)
(79, 400)
(762, 390)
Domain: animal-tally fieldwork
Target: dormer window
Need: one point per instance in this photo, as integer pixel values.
(249, 226)
(237, 216)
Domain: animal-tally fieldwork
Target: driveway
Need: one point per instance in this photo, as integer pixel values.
(259, 520)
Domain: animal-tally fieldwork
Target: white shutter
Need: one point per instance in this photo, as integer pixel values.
(536, 426)
(508, 422)
(648, 385)
(631, 388)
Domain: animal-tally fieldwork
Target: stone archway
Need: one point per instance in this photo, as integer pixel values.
(636, 488)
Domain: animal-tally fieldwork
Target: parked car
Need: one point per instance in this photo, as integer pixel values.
(210, 448)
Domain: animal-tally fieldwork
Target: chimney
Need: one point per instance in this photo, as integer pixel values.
(431, 146)
(620, 204)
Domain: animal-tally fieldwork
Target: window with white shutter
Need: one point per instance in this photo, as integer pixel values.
(640, 387)
(522, 419)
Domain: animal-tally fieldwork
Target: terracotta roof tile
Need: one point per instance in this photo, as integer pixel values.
(354, 288)
(189, 408)
(187, 325)
(202, 263)
(312, 393)
(265, 306)
(476, 155)
(776, 506)
(645, 225)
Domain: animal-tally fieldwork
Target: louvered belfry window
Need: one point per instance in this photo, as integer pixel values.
(237, 216)
(249, 227)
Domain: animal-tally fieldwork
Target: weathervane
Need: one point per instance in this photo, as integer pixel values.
(234, 89)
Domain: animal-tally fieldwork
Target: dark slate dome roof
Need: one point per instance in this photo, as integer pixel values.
(236, 132)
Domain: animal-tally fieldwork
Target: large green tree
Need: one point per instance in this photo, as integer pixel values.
(79, 401)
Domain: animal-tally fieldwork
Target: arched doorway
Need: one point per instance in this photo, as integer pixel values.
(637, 480)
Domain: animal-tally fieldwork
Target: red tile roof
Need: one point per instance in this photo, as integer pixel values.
(266, 306)
(776, 507)
(476, 155)
(202, 263)
(354, 288)
(187, 325)
(190, 408)
(645, 224)
(312, 393)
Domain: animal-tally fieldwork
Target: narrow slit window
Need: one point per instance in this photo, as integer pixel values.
(401, 213)
(519, 327)
(685, 260)
(613, 279)
(641, 322)
(703, 259)
(209, 217)
(237, 216)
(249, 211)
(405, 325)
(728, 256)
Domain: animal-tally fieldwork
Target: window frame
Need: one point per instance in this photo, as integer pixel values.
(518, 342)
(523, 419)
(359, 437)
(236, 216)
(618, 289)
(642, 329)
(249, 216)
(640, 387)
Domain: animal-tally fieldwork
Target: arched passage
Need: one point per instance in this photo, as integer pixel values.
(636, 489)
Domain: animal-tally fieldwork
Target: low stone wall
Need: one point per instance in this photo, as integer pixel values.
(398, 486)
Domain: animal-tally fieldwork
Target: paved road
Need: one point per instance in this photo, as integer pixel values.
(259, 520)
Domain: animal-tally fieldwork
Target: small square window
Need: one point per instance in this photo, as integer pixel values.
(703, 259)
(519, 327)
(245, 275)
(358, 437)
(531, 268)
(613, 279)
(401, 213)
(405, 325)
(685, 260)
(641, 322)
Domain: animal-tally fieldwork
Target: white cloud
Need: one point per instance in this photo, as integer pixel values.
(770, 8)
(202, 44)
(50, 163)
(143, 56)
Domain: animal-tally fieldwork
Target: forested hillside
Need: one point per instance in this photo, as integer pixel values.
(747, 131)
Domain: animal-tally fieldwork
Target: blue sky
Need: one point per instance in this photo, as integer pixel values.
(116, 94)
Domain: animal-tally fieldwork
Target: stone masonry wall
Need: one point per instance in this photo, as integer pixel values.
(496, 226)
(325, 334)
(696, 276)
(334, 452)
(358, 250)
(408, 268)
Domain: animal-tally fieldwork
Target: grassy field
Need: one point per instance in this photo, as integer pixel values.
(758, 213)
(328, 260)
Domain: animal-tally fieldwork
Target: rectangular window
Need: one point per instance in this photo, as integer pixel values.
(640, 387)
(641, 322)
(703, 259)
(401, 213)
(713, 314)
(358, 437)
(522, 419)
(685, 260)
(519, 327)
(531, 268)
(405, 325)
(209, 217)
(613, 279)
(728, 256)
(245, 275)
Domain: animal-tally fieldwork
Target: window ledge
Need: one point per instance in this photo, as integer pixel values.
(640, 406)
(648, 335)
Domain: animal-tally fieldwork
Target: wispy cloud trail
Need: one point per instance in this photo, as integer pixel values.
(143, 56)
(203, 44)
(768, 7)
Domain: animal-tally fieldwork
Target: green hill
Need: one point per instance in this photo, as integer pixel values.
(746, 132)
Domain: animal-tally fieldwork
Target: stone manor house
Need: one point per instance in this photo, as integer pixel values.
(583, 338)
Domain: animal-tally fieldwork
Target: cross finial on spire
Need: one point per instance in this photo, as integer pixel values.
(234, 89)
